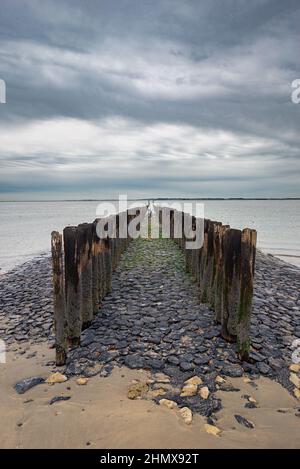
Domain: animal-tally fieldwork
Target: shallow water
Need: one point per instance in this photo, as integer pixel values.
(25, 227)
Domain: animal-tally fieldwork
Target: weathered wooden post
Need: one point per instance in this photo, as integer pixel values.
(72, 286)
(218, 294)
(84, 249)
(210, 266)
(248, 252)
(95, 268)
(171, 214)
(205, 265)
(60, 320)
(108, 265)
(195, 253)
(232, 283)
(101, 271)
(115, 243)
(202, 258)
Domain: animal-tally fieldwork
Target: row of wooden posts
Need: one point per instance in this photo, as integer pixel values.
(82, 276)
(223, 268)
(224, 271)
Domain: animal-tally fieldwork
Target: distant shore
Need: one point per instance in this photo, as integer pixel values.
(153, 198)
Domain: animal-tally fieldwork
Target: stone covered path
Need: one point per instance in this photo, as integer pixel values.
(153, 320)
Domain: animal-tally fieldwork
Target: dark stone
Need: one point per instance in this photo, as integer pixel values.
(173, 360)
(201, 349)
(249, 368)
(121, 344)
(264, 368)
(243, 421)
(22, 386)
(227, 387)
(134, 361)
(185, 366)
(203, 360)
(106, 371)
(276, 363)
(155, 364)
(154, 340)
(250, 405)
(87, 339)
(59, 398)
(187, 358)
(258, 357)
(234, 371)
(214, 332)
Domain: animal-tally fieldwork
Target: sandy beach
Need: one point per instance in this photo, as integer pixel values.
(100, 415)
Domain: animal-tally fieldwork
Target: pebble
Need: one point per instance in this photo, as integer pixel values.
(58, 399)
(82, 381)
(295, 380)
(243, 421)
(220, 380)
(195, 380)
(56, 378)
(187, 415)
(212, 429)
(204, 392)
(156, 393)
(22, 386)
(297, 393)
(189, 390)
(295, 367)
(168, 403)
(137, 390)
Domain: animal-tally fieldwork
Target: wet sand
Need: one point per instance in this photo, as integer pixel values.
(100, 415)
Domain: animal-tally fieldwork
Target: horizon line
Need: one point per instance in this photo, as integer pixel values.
(152, 198)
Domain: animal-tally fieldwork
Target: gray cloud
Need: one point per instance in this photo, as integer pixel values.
(175, 97)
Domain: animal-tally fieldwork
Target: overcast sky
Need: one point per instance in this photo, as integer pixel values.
(149, 98)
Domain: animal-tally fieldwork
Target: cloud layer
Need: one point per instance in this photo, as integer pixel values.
(152, 98)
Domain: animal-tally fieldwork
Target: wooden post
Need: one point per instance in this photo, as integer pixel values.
(207, 261)
(102, 270)
(72, 286)
(218, 292)
(202, 259)
(60, 321)
(232, 283)
(95, 268)
(195, 254)
(108, 265)
(84, 241)
(248, 252)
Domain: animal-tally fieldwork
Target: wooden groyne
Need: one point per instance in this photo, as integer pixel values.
(82, 274)
(223, 269)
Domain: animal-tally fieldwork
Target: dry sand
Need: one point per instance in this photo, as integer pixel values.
(99, 414)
